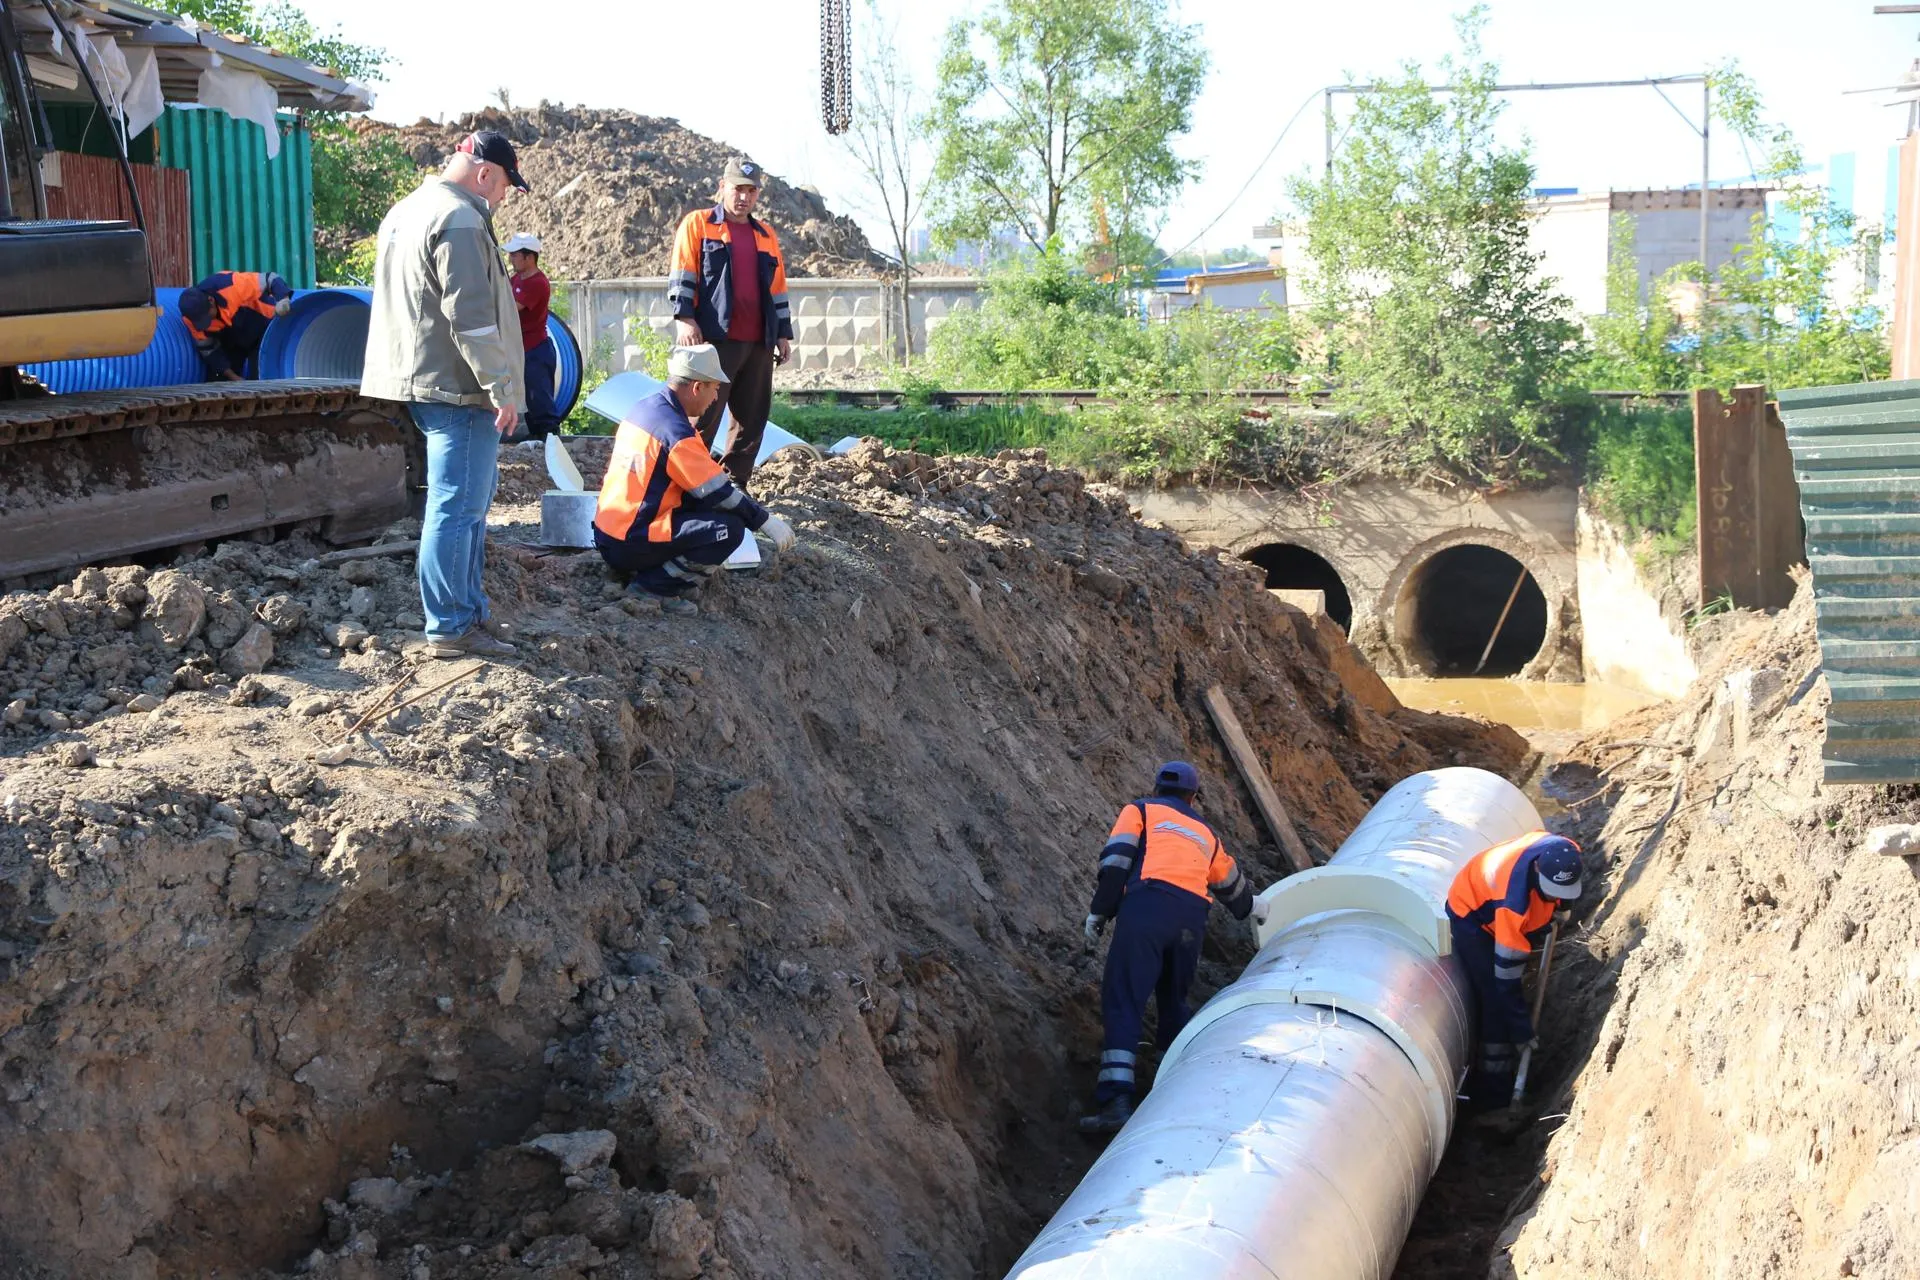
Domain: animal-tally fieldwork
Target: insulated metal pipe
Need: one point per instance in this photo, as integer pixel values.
(1294, 1124)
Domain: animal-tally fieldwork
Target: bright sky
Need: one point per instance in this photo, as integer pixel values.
(748, 73)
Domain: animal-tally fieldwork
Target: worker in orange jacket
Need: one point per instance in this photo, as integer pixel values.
(668, 515)
(728, 286)
(228, 313)
(1157, 870)
(1499, 903)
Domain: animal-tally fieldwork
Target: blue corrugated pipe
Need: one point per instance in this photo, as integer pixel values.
(168, 361)
(324, 335)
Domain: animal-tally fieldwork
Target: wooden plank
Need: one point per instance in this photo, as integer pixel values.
(1254, 774)
(406, 548)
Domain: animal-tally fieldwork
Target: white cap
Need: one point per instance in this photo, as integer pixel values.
(695, 364)
(523, 240)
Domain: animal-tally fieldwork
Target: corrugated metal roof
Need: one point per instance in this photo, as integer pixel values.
(1856, 454)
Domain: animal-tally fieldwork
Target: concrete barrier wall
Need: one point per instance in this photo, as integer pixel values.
(837, 324)
(1635, 634)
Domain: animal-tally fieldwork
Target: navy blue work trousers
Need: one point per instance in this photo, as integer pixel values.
(1500, 1013)
(680, 567)
(1154, 952)
(542, 417)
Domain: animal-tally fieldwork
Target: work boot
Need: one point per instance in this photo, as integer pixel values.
(473, 643)
(674, 606)
(1109, 1119)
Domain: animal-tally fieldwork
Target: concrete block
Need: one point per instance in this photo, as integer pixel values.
(1901, 840)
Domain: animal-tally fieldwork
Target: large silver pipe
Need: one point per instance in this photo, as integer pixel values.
(1295, 1123)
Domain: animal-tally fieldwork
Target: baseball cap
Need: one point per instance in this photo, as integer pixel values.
(494, 148)
(1558, 861)
(743, 172)
(522, 240)
(1177, 775)
(699, 363)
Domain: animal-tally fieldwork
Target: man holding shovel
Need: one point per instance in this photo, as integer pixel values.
(1498, 904)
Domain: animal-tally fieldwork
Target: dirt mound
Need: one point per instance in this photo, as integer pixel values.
(741, 945)
(610, 187)
(1745, 997)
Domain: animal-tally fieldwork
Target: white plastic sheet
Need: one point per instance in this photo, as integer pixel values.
(244, 96)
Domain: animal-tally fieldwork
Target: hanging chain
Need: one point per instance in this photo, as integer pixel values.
(836, 67)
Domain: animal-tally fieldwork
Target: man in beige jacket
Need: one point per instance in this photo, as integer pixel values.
(444, 339)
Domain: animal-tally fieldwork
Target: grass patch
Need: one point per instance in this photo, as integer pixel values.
(1639, 472)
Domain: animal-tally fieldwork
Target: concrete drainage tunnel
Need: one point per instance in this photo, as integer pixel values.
(1470, 610)
(1295, 1123)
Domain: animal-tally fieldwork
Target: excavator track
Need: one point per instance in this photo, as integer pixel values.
(114, 476)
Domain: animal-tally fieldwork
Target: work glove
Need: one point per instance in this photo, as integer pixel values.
(283, 306)
(779, 532)
(1093, 927)
(1259, 913)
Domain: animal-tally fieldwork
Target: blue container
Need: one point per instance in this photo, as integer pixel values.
(168, 361)
(567, 366)
(323, 335)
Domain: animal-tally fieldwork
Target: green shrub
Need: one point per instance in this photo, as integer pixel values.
(1640, 472)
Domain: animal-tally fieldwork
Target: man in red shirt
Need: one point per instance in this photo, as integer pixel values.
(728, 286)
(531, 293)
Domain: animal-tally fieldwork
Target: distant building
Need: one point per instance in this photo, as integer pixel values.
(1573, 232)
(1235, 286)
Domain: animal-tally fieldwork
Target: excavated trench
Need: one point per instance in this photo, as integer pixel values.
(746, 945)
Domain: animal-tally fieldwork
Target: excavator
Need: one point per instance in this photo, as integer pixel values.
(135, 475)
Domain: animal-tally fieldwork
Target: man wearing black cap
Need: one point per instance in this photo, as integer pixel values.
(444, 339)
(728, 286)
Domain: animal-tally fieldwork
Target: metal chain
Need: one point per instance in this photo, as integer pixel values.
(836, 67)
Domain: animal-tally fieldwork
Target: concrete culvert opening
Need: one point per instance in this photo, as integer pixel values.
(1293, 567)
(1451, 605)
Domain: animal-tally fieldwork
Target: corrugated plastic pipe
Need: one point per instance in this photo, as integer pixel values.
(322, 336)
(168, 361)
(1294, 1125)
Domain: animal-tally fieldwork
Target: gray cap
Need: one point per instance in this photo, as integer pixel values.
(696, 364)
(742, 172)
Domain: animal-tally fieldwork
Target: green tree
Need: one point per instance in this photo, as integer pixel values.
(1045, 110)
(1439, 327)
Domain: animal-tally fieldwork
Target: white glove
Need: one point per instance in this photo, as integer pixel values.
(1093, 927)
(283, 306)
(779, 532)
(1259, 913)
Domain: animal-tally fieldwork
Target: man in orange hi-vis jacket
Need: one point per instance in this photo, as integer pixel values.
(1498, 903)
(728, 286)
(227, 315)
(667, 513)
(1157, 870)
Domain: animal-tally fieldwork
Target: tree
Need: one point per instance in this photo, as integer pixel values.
(884, 141)
(1439, 327)
(1045, 108)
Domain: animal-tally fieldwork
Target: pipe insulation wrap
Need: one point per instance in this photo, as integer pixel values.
(1294, 1124)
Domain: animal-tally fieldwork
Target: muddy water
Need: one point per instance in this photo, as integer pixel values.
(1531, 706)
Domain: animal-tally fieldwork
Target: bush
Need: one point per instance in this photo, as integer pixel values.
(1640, 472)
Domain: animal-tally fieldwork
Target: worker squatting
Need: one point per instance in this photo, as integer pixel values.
(1161, 868)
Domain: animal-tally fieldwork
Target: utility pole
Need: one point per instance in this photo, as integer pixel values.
(1706, 187)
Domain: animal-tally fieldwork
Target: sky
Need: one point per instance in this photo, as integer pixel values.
(749, 74)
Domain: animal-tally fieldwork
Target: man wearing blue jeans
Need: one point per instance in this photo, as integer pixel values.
(444, 339)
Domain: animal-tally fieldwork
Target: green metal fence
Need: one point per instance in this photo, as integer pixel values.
(249, 213)
(1856, 454)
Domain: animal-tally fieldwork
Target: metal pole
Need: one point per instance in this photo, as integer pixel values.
(1706, 191)
(1513, 595)
(1327, 117)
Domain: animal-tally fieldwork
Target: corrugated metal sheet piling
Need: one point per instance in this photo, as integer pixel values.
(1856, 454)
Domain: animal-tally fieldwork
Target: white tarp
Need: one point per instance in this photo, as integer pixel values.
(244, 96)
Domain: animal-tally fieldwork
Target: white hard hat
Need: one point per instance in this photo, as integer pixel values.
(523, 240)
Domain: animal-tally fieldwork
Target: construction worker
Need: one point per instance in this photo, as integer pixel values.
(228, 313)
(1499, 904)
(667, 513)
(532, 291)
(728, 287)
(1156, 871)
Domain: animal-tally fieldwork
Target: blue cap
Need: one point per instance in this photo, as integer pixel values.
(1557, 859)
(1177, 775)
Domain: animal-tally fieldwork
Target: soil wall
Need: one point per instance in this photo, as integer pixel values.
(742, 945)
